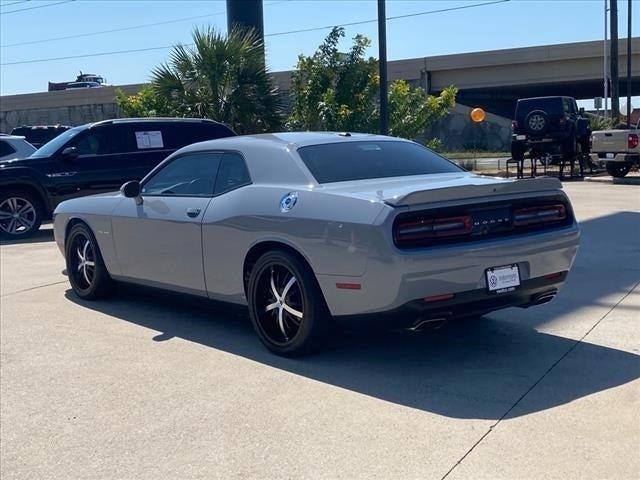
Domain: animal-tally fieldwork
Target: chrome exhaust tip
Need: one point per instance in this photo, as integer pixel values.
(423, 322)
(544, 298)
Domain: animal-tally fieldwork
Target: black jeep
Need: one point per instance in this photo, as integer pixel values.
(549, 127)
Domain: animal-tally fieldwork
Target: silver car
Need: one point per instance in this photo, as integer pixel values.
(306, 228)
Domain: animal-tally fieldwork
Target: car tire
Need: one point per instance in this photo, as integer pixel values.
(287, 309)
(618, 169)
(20, 214)
(87, 273)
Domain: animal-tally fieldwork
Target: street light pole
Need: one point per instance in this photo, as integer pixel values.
(615, 77)
(629, 64)
(382, 46)
(606, 60)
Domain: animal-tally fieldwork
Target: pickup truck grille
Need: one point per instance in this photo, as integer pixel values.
(474, 222)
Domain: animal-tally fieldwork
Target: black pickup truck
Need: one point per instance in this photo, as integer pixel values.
(89, 159)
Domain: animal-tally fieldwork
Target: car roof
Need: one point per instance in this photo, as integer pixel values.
(288, 139)
(552, 97)
(155, 120)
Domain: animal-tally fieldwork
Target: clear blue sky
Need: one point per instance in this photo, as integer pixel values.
(513, 24)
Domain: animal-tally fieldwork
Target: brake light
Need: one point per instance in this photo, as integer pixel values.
(428, 228)
(633, 140)
(514, 125)
(539, 215)
(563, 121)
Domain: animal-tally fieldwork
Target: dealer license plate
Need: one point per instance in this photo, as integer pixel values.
(503, 279)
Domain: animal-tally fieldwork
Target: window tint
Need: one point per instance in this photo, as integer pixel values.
(339, 162)
(190, 175)
(180, 134)
(6, 149)
(232, 174)
(552, 106)
(105, 140)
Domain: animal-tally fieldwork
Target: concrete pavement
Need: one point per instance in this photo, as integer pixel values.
(149, 385)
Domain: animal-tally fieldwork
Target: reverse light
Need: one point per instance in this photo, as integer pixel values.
(632, 142)
(539, 215)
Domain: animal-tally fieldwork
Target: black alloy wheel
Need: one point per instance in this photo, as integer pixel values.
(88, 276)
(287, 309)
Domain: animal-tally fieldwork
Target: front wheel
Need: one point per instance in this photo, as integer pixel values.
(87, 273)
(286, 306)
(20, 214)
(618, 169)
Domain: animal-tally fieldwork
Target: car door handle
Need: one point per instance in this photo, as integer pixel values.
(193, 212)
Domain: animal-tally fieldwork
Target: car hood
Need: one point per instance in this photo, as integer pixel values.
(439, 187)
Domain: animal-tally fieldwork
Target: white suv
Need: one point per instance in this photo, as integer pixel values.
(12, 146)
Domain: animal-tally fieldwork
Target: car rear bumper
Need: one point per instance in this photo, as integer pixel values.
(396, 278)
(616, 157)
(416, 313)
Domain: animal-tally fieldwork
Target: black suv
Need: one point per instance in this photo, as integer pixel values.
(549, 126)
(40, 134)
(90, 159)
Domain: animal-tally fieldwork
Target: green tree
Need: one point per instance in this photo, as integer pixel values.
(145, 103)
(222, 78)
(339, 91)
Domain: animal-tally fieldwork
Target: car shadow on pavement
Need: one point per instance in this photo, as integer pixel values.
(42, 235)
(467, 369)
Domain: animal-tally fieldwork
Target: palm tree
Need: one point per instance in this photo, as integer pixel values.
(221, 78)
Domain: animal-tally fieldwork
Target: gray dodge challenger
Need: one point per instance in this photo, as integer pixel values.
(308, 229)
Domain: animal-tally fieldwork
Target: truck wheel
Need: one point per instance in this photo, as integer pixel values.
(618, 169)
(20, 214)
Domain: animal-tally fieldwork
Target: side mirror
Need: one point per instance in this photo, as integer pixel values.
(70, 153)
(131, 189)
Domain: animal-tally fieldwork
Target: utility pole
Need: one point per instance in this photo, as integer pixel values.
(629, 64)
(615, 87)
(246, 14)
(382, 47)
(606, 60)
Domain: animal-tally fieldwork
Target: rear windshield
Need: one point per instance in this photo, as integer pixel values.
(341, 162)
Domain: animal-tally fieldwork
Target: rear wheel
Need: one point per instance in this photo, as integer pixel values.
(20, 214)
(618, 169)
(88, 276)
(287, 309)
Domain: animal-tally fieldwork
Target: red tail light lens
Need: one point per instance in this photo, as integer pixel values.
(539, 215)
(514, 125)
(428, 228)
(633, 140)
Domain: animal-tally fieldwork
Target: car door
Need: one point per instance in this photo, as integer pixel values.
(158, 240)
(101, 163)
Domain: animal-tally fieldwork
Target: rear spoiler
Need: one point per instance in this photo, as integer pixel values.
(458, 192)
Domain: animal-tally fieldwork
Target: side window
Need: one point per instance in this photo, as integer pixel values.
(105, 140)
(189, 175)
(233, 173)
(6, 149)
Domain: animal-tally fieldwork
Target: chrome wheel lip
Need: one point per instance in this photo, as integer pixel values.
(17, 215)
(280, 304)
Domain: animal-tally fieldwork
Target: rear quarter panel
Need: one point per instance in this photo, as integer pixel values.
(333, 233)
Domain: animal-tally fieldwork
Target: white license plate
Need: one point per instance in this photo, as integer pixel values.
(521, 137)
(503, 279)
(610, 155)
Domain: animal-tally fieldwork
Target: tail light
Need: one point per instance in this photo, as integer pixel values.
(432, 228)
(538, 215)
(562, 122)
(633, 140)
(514, 125)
